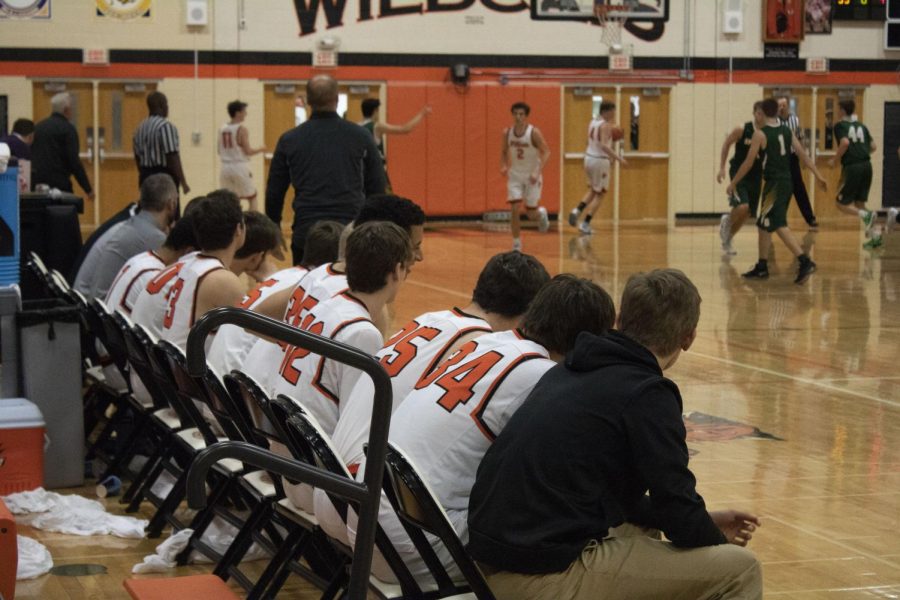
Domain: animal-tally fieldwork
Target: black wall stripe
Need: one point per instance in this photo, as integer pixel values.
(481, 61)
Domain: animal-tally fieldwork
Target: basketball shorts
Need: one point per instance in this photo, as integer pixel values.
(597, 171)
(773, 212)
(519, 188)
(237, 178)
(747, 192)
(856, 179)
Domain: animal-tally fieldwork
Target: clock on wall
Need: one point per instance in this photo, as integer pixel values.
(859, 10)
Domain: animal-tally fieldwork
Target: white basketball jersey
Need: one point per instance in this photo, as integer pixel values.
(265, 356)
(409, 355)
(524, 156)
(229, 150)
(231, 343)
(181, 298)
(150, 306)
(453, 416)
(594, 148)
(132, 279)
(318, 384)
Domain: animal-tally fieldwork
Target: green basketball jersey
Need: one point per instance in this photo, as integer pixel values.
(370, 127)
(860, 140)
(777, 154)
(740, 153)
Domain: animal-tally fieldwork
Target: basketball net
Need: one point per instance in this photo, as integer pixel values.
(611, 18)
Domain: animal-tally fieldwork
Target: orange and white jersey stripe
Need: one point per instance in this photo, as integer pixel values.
(131, 280)
(150, 306)
(409, 355)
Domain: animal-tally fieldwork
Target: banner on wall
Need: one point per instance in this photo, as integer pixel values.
(24, 9)
(124, 9)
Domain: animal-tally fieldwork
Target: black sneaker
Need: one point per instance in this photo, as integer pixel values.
(757, 272)
(806, 269)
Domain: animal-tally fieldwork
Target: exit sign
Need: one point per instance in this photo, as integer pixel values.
(817, 65)
(95, 56)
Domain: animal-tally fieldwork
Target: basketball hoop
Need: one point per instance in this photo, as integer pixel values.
(611, 16)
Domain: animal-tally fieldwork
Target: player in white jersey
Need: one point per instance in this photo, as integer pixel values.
(232, 344)
(451, 418)
(235, 152)
(523, 155)
(378, 258)
(505, 288)
(597, 157)
(137, 272)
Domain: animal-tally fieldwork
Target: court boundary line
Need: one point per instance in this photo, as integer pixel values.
(813, 382)
(438, 288)
(834, 541)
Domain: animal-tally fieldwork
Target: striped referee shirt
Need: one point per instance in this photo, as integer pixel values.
(153, 139)
(793, 123)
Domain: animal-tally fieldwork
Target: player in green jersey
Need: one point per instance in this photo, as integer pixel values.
(775, 141)
(745, 200)
(855, 146)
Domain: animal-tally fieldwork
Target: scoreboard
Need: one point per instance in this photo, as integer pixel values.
(860, 10)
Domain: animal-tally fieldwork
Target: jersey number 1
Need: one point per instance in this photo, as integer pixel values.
(227, 142)
(781, 143)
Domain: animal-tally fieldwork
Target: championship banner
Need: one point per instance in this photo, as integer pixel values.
(24, 9)
(124, 9)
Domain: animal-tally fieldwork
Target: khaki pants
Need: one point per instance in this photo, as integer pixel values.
(633, 563)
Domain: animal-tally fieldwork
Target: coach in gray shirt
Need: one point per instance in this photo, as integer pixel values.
(144, 231)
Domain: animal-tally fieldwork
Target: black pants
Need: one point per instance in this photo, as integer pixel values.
(800, 191)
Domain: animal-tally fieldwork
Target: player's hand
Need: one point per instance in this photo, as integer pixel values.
(90, 196)
(720, 177)
(504, 169)
(736, 526)
(623, 162)
(729, 191)
(823, 185)
(534, 177)
(185, 187)
(426, 110)
(831, 163)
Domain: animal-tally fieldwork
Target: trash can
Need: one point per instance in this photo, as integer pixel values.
(50, 359)
(21, 446)
(48, 226)
(9, 227)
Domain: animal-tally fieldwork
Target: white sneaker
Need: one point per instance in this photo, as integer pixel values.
(728, 249)
(725, 231)
(517, 244)
(891, 219)
(544, 222)
(585, 228)
(868, 219)
(573, 217)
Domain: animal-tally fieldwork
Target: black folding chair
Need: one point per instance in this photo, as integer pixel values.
(421, 513)
(366, 494)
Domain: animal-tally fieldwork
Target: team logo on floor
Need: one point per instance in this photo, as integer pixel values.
(709, 428)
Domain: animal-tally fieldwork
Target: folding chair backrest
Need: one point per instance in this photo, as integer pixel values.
(303, 430)
(231, 419)
(420, 511)
(160, 373)
(253, 402)
(190, 395)
(111, 337)
(138, 361)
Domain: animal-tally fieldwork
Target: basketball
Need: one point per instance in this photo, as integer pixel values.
(617, 133)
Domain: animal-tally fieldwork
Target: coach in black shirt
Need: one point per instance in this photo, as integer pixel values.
(332, 164)
(54, 152)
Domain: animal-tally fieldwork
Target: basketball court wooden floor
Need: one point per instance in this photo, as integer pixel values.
(792, 395)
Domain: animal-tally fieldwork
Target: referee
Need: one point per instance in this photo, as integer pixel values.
(156, 144)
(793, 123)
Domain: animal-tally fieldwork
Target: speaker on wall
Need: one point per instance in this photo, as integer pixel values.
(197, 13)
(733, 17)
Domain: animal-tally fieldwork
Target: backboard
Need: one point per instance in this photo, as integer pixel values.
(583, 10)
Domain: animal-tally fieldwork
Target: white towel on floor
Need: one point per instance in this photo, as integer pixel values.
(34, 558)
(70, 514)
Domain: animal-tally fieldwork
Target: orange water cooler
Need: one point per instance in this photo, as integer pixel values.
(9, 554)
(21, 446)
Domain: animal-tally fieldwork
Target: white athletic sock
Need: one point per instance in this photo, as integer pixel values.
(862, 213)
